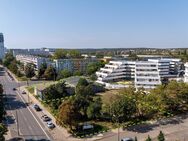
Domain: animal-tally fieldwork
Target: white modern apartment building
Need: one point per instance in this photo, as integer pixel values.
(116, 70)
(2, 48)
(186, 72)
(146, 74)
(35, 60)
(149, 74)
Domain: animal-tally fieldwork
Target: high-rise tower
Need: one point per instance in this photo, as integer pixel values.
(2, 48)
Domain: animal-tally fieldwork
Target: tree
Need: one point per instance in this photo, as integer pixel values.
(3, 131)
(148, 139)
(60, 54)
(8, 59)
(82, 82)
(77, 73)
(74, 54)
(94, 109)
(55, 91)
(41, 70)
(161, 136)
(93, 67)
(29, 71)
(13, 66)
(64, 74)
(135, 139)
(68, 114)
(50, 73)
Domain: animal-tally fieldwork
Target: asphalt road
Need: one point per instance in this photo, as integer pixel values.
(21, 119)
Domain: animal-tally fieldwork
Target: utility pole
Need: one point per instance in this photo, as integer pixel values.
(17, 123)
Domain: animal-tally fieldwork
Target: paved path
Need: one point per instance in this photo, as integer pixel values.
(175, 129)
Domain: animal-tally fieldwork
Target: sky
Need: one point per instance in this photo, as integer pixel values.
(94, 23)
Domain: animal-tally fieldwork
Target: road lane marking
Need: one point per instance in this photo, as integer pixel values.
(34, 117)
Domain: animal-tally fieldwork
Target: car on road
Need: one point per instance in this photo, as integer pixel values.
(23, 92)
(50, 125)
(14, 89)
(45, 118)
(36, 107)
(127, 139)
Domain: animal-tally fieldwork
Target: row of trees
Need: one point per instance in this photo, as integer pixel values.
(160, 137)
(162, 101)
(62, 54)
(10, 62)
(128, 105)
(3, 129)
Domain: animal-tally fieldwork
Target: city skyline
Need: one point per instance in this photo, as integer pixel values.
(94, 24)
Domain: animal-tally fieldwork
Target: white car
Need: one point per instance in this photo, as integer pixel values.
(127, 139)
(50, 125)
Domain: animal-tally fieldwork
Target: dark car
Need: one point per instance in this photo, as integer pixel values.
(45, 118)
(23, 92)
(36, 107)
(14, 89)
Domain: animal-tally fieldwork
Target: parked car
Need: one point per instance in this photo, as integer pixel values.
(36, 107)
(23, 92)
(45, 118)
(14, 89)
(127, 139)
(50, 125)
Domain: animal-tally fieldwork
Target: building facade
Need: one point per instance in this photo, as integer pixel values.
(73, 65)
(2, 48)
(35, 60)
(147, 74)
(116, 70)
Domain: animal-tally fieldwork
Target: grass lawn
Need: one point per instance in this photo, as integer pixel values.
(30, 89)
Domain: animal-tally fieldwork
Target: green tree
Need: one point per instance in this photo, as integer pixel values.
(148, 139)
(74, 54)
(41, 70)
(82, 82)
(29, 71)
(60, 54)
(64, 74)
(161, 136)
(94, 109)
(3, 131)
(93, 67)
(77, 73)
(13, 66)
(55, 91)
(50, 73)
(135, 139)
(8, 59)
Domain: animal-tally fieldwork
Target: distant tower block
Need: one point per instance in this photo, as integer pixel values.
(2, 48)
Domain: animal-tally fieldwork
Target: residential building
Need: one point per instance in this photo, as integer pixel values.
(147, 74)
(186, 73)
(2, 48)
(73, 65)
(116, 70)
(35, 60)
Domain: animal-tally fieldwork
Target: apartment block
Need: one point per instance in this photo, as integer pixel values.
(147, 74)
(186, 72)
(2, 48)
(116, 70)
(73, 64)
(35, 60)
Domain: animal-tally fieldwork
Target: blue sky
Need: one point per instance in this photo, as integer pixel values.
(94, 23)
